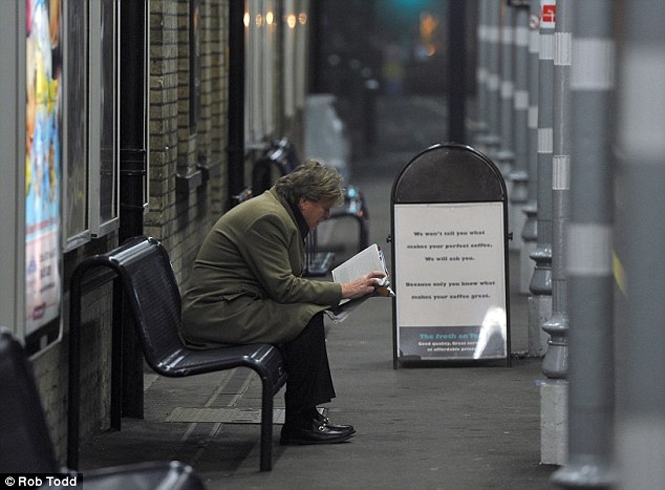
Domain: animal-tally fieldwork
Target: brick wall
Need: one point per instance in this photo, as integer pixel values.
(184, 199)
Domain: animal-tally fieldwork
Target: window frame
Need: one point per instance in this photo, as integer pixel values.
(98, 182)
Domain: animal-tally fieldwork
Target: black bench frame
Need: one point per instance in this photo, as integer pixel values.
(145, 275)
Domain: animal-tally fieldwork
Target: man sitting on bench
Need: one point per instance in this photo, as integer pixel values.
(247, 287)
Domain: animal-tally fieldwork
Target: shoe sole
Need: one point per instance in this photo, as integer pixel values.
(310, 442)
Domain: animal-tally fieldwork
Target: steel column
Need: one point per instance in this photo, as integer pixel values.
(134, 22)
(493, 33)
(555, 364)
(457, 72)
(530, 230)
(589, 252)
(519, 175)
(236, 109)
(554, 391)
(640, 240)
(540, 303)
(506, 155)
(481, 128)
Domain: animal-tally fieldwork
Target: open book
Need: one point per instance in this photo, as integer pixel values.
(368, 260)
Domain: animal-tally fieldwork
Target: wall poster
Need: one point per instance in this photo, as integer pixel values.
(43, 165)
(449, 265)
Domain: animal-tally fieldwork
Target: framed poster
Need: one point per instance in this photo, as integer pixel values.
(43, 173)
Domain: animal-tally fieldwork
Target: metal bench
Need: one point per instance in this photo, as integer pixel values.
(144, 270)
(280, 158)
(355, 207)
(26, 446)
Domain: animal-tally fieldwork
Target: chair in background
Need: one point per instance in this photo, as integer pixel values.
(26, 446)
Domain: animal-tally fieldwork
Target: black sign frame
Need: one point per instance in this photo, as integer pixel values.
(449, 175)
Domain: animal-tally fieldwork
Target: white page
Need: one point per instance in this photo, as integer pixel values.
(364, 262)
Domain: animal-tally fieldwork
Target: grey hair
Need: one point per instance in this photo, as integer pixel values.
(312, 181)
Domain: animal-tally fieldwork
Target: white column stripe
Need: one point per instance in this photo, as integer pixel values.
(562, 48)
(481, 75)
(492, 34)
(533, 117)
(521, 100)
(561, 172)
(493, 82)
(593, 64)
(545, 140)
(507, 35)
(534, 41)
(480, 32)
(507, 89)
(521, 36)
(589, 250)
(546, 51)
(642, 104)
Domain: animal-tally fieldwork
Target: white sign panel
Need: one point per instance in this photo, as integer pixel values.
(450, 281)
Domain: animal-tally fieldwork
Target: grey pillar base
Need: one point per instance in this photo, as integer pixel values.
(641, 450)
(518, 200)
(526, 265)
(555, 364)
(530, 241)
(586, 472)
(553, 422)
(540, 310)
(516, 224)
(504, 161)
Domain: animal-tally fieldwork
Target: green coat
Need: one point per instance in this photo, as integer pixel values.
(246, 284)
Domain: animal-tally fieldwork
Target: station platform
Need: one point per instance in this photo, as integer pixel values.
(467, 428)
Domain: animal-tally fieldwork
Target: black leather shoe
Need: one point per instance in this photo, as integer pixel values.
(312, 433)
(322, 419)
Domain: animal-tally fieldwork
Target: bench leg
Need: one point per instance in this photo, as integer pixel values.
(364, 233)
(266, 424)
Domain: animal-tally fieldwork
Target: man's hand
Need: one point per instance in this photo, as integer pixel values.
(363, 285)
